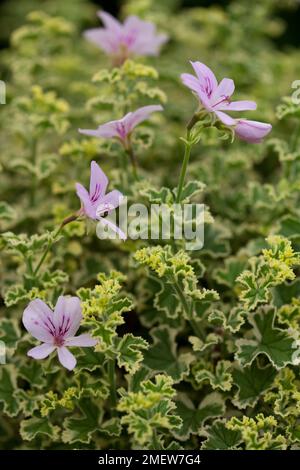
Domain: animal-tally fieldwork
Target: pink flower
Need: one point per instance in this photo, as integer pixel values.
(252, 131)
(122, 128)
(132, 38)
(95, 203)
(214, 96)
(56, 329)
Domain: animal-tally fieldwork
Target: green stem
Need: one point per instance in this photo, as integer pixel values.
(33, 161)
(133, 160)
(188, 311)
(29, 265)
(112, 380)
(155, 442)
(66, 221)
(187, 153)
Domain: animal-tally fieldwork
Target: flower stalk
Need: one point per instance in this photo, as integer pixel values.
(187, 152)
(112, 380)
(66, 221)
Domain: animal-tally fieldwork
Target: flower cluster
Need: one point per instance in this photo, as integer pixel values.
(56, 329)
(132, 38)
(215, 98)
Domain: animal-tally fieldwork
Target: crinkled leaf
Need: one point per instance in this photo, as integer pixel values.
(194, 418)
(278, 345)
(162, 356)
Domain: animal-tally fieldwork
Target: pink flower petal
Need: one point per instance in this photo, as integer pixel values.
(141, 37)
(191, 82)
(108, 130)
(195, 85)
(84, 340)
(84, 197)
(109, 202)
(67, 316)
(103, 39)
(206, 77)
(149, 45)
(98, 181)
(90, 132)
(227, 120)
(224, 91)
(113, 227)
(252, 131)
(140, 115)
(134, 37)
(66, 358)
(110, 22)
(238, 106)
(38, 321)
(41, 352)
(133, 24)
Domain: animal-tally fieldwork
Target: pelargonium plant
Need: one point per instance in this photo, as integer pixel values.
(139, 342)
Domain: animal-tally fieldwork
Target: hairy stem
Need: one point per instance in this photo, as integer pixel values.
(186, 158)
(66, 221)
(155, 442)
(188, 311)
(34, 181)
(111, 368)
(133, 160)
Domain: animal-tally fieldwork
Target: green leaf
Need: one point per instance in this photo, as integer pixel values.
(216, 243)
(218, 437)
(7, 213)
(112, 427)
(149, 409)
(167, 301)
(33, 372)
(288, 107)
(252, 382)
(50, 279)
(45, 166)
(199, 346)
(158, 196)
(29, 402)
(162, 356)
(221, 379)
(289, 227)
(278, 345)
(103, 307)
(231, 321)
(273, 267)
(14, 295)
(228, 275)
(190, 190)
(32, 427)
(284, 397)
(89, 360)
(8, 387)
(259, 433)
(80, 429)
(130, 352)
(255, 287)
(10, 334)
(194, 418)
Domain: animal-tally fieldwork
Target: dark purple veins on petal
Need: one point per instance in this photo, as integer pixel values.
(96, 194)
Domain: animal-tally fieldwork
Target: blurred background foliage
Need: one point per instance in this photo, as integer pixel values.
(13, 12)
